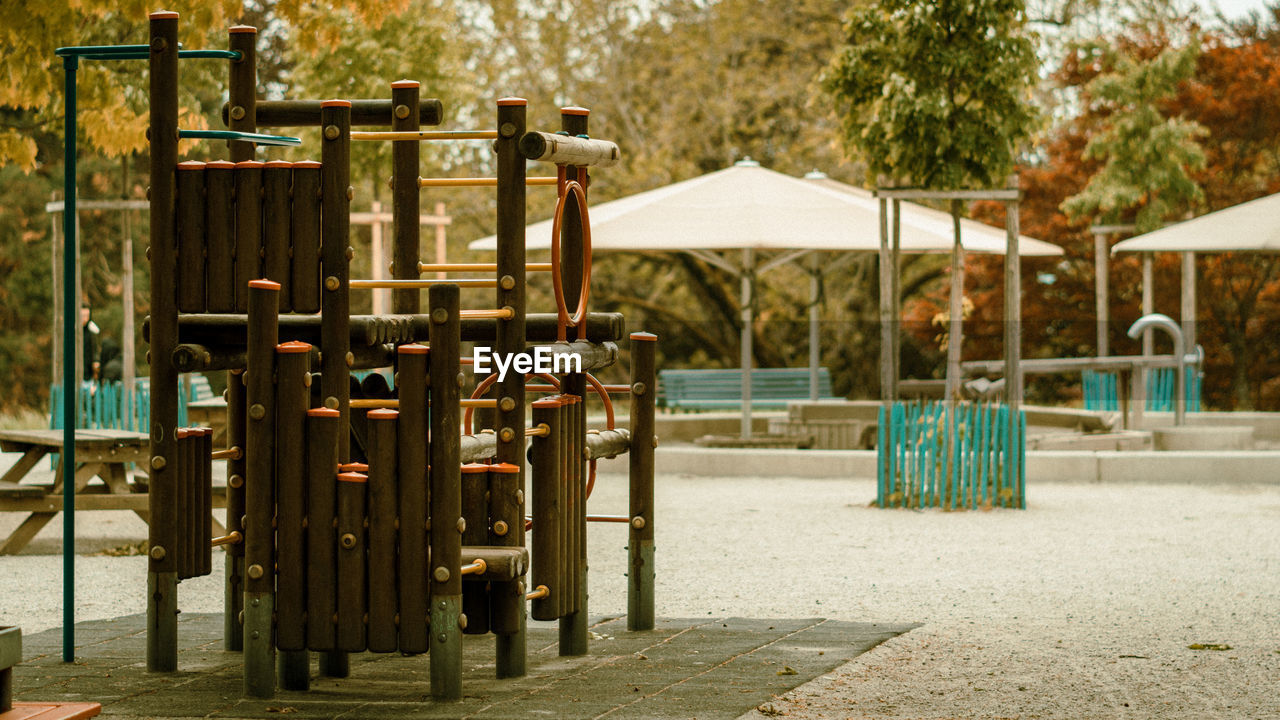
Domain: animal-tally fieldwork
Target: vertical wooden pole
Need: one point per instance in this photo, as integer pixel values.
(1101, 279)
(886, 310)
(259, 537)
(411, 446)
(352, 569)
(507, 598)
(475, 513)
(545, 462)
(406, 197)
(1013, 344)
(335, 226)
(321, 477)
(292, 400)
(277, 184)
(895, 297)
(442, 248)
(955, 332)
(746, 356)
(242, 88)
(383, 499)
(377, 259)
(445, 498)
(162, 575)
(640, 570)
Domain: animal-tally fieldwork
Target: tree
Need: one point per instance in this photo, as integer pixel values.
(934, 94)
(1147, 155)
(112, 111)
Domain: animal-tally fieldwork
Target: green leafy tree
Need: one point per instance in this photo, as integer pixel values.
(935, 94)
(1147, 156)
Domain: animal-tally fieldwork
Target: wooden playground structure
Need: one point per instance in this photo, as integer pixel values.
(360, 517)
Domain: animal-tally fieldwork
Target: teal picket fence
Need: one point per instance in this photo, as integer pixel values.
(931, 454)
(1101, 393)
(101, 406)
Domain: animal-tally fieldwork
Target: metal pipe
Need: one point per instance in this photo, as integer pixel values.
(478, 182)
(233, 538)
(427, 135)
(475, 567)
(232, 453)
(538, 593)
(393, 404)
(477, 267)
(417, 284)
(1166, 323)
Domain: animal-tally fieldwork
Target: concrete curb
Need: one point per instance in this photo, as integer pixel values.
(1107, 466)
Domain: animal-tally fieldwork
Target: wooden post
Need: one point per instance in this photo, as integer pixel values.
(442, 251)
(1013, 344)
(1101, 273)
(445, 495)
(886, 309)
(378, 261)
(383, 500)
(292, 399)
(955, 333)
(405, 196)
(573, 627)
(547, 511)
(322, 476)
(640, 570)
(335, 225)
(260, 470)
(507, 598)
(162, 575)
(242, 87)
(411, 462)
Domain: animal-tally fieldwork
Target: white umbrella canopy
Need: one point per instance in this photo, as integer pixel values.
(1251, 226)
(750, 207)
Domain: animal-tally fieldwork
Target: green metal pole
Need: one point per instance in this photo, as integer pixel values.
(70, 325)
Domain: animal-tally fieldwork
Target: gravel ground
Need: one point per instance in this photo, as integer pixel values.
(1084, 605)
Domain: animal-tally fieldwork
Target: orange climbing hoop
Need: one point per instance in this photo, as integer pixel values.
(577, 188)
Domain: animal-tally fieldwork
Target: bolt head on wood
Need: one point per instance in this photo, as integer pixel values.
(351, 195)
(257, 412)
(158, 552)
(402, 111)
(348, 541)
(655, 441)
(159, 44)
(351, 252)
(331, 132)
(462, 525)
(441, 574)
(519, 497)
(507, 435)
(500, 528)
(351, 359)
(331, 402)
(462, 621)
(639, 389)
(507, 404)
(255, 572)
(439, 316)
(507, 282)
(237, 112)
(158, 462)
(637, 522)
(236, 481)
(507, 130)
(331, 283)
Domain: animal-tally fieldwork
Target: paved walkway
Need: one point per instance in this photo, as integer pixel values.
(684, 668)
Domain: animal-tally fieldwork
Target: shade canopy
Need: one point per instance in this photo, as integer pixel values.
(1252, 226)
(750, 207)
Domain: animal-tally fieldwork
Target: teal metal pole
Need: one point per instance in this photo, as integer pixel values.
(70, 326)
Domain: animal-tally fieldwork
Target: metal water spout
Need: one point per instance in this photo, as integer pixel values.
(1166, 323)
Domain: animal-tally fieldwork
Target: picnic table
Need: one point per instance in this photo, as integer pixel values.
(104, 454)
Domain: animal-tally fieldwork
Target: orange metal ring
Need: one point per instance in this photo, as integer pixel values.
(563, 319)
(488, 383)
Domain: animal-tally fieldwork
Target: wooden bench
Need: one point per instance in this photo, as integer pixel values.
(771, 388)
(105, 454)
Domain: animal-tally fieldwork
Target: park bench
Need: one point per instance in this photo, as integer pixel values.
(771, 388)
